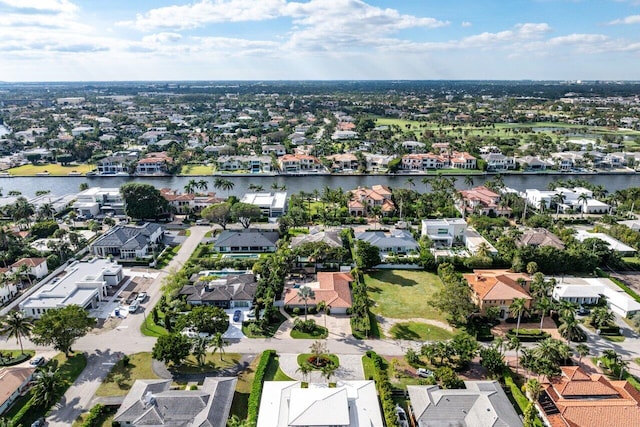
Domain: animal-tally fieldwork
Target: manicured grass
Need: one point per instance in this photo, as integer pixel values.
(243, 390)
(304, 357)
(195, 170)
(139, 368)
(274, 373)
(403, 294)
(105, 420)
(368, 368)
(212, 363)
(319, 332)
(150, 329)
(208, 233)
(269, 332)
(167, 256)
(53, 169)
(14, 357)
(419, 332)
(68, 369)
(613, 338)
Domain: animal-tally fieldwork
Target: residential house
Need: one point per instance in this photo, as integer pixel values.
(232, 291)
(96, 201)
(482, 201)
(81, 283)
(344, 134)
(394, 242)
(275, 149)
(127, 241)
(538, 237)
(114, 165)
(272, 204)
(36, 267)
(334, 289)
(255, 241)
(613, 244)
(348, 404)
(346, 162)
(480, 403)
(444, 232)
(378, 163)
(251, 164)
(532, 163)
(363, 199)
(578, 399)
(315, 235)
(413, 147)
(498, 162)
(498, 288)
(14, 382)
(155, 402)
(589, 290)
(183, 203)
(424, 161)
(299, 163)
(462, 160)
(154, 164)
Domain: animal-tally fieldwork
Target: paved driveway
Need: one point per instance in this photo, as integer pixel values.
(235, 328)
(350, 368)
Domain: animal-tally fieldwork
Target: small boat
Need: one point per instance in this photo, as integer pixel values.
(45, 173)
(75, 173)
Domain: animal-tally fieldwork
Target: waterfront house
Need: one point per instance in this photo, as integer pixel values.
(271, 204)
(154, 164)
(346, 162)
(96, 201)
(394, 242)
(81, 283)
(480, 200)
(155, 402)
(299, 163)
(363, 199)
(113, 165)
(250, 164)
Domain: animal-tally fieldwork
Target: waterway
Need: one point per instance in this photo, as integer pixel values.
(69, 185)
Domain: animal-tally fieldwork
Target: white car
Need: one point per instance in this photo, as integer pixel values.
(133, 307)
(424, 373)
(190, 333)
(402, 417)
(141, 297)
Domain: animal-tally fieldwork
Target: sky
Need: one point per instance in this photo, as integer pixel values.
(123, 40)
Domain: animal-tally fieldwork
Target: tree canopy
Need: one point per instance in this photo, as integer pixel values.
(143, 201)
(61, 327)
(205, 319)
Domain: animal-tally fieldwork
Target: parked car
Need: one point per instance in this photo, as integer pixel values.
(40, 422)
(402, 416)
(424, 373)
(37, 361)
(190, 333)
(237, 315)
(251, 314)
(141, 297)
(133, 307)
(582, 311)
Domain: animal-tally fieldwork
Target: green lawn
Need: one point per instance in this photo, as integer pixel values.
(319, 332)
(269, 332)
(212, 363)
(53, 169)
(403, 294)
(419, 332)
(196, 170)
(139, 368)
(150, 329)
(304, 357)
(243, 390)
(105, 421)
(274, 373)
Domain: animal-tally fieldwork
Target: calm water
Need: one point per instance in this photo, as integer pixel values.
(294, 184)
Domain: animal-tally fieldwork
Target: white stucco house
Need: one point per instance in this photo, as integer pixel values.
(588, 290)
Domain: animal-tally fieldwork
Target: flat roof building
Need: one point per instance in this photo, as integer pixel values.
(271, 204)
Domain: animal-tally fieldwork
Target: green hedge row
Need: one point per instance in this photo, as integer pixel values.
(528, 335)
(384, 389)
(518, 396)
(16, 360)
(94, 419)
(256, 389)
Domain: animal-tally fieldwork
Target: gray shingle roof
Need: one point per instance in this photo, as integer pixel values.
(240, 287)
(152, 403)
(127, 236)
(246, 238)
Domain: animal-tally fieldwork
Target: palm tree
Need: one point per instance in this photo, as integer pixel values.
(305, 369)
(583, 199)
(468, 180)
(191, 186)
(410, 183)
(305, 293)
(203, 185)
(15, 324)
(218, 343)
(517, 308)
(46, 383)
(542, 205)
(569, 329)
(582, 350)
(602, 316)
(329, 371)
(199, 349)
(558, 199)
(622, 365)
(46, 211)
(223, 184)
(514, 344)
(533, 389)
(426, 181)
(256, 187)
(544, 305)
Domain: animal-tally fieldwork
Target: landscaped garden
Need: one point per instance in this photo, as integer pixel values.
(403, 294)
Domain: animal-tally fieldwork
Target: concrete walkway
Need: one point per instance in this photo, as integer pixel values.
(350, 368)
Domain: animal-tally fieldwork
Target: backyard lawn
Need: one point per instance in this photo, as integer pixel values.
(54, 169)
(196, 170)
(403, 294)
(139, 368)
(419, 332)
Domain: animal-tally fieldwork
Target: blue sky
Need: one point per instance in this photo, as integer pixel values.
(80, 40)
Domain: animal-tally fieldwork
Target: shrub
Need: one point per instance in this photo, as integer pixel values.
(296, 311)
(256, 388)
(384, 389)
(125, 360)
(93, 419)
(412, 357)
(528, 335)
(306, 326)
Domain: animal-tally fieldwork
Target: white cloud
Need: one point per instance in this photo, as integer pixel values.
(205, 12)
(41, 5)
(632, 19)
(162, 38)
(466, 24)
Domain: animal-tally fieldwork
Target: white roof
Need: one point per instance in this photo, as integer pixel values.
(275, 200)
(614, 244)
(591, 287)
(350, 403)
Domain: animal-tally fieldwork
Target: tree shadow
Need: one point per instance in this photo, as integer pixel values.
(402, 331)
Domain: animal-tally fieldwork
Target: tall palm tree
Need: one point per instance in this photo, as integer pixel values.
(46, 211)
(515, 344)
(533, 389)
(15, 324)
(558, 199)
(223, 184)
(46, 383)
(218, 343)
(199, 349)
(191, 186)
(544, 304)
(203, 185)
(468, 180)
(305, 369)
(542, 205)
(305, 293)
(582, 350)
(569, 329)
(583, 199)
(517, 308)
(328, 371)
(427, 182)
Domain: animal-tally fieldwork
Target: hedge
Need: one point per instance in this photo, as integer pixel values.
(94, 417)
(384, 389)
(528, 335)
(16, 360)
(518, 396)
(256, 389)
